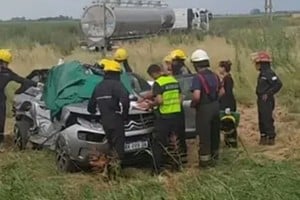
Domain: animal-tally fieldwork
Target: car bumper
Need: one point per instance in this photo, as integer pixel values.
(79, 150)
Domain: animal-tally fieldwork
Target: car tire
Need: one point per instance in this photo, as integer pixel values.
(63, 161)
(21, 129)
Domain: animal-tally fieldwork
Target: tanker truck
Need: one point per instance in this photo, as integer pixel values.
(107, 21)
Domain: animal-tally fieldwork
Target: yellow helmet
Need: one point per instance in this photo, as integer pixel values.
(178, 54)
(5, 55)
(111, 65)
(168, 58)
(102, 62)
(121, 54)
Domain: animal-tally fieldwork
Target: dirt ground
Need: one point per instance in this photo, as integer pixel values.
(288, 136)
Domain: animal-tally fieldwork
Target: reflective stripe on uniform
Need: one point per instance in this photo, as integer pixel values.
(205, 85)
(104, 97)
(205, 158)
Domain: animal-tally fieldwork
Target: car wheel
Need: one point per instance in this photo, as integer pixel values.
(21, 129)
(35, 146)
(63, 160)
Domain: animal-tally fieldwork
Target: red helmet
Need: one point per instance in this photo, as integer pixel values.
(262, 56)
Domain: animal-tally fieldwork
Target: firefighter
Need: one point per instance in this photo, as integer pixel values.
(121, 56)
(205, 88)
(112, 100)
(268, 84)
(7, 75)
(178, 66)
(227, 100)
(167, 99)
(228, 105)
(177, 54)
(167, 63)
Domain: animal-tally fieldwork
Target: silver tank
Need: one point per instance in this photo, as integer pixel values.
(125, 21)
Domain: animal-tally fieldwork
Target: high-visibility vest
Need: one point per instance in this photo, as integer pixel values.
(171, 95)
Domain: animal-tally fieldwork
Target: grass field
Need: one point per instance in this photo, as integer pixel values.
(251, 172)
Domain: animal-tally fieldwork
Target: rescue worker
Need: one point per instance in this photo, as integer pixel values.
(121, 56)
(227, 100)
(167, 63)
(7, 75)
(178, 66)
(112, 100)
(228, 105)
(167, 99)
(268, 84)
(205, 88)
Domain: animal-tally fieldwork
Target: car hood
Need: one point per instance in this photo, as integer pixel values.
(81, 108)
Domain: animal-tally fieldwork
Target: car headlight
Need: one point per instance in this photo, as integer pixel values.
(26, 106)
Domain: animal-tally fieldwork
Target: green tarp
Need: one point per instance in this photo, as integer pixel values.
(72, 83)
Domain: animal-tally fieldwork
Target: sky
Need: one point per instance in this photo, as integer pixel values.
(46, 8)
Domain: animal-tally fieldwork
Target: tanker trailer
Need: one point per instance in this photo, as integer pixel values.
(121, 22)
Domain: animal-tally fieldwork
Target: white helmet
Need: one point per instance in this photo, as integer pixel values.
(199, 55)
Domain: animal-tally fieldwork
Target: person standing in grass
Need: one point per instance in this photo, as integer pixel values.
(206, 87)
(111, 98)
(268, 84)
(227, 100)
(6, 76)
(167, 99)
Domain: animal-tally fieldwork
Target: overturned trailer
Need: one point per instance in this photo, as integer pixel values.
(122, 22)
(104, 22)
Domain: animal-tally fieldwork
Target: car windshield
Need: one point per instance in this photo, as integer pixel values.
(185, 85)
(139, 84)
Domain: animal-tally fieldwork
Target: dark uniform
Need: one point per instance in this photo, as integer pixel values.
(168, 115)
(112, 99)
(7, 75)
(178, 68)
(207, 115)
(228, 101)
(267, 84)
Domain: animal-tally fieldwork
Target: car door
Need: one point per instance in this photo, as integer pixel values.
(185, 84)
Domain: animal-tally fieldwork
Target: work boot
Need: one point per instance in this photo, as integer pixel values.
(271, 141)
(263, 140)
(207, 164)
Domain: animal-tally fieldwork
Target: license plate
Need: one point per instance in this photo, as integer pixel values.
(129, 147)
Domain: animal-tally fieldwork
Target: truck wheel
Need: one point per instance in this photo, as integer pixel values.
(63, 160)
(21, 129)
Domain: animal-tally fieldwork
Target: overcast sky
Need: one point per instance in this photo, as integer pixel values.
(45, 8)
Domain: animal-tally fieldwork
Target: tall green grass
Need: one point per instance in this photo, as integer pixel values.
(28, 175)
(61, 35)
